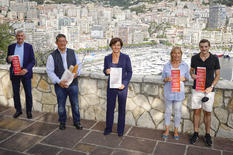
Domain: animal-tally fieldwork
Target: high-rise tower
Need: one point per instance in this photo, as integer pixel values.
(217, 15)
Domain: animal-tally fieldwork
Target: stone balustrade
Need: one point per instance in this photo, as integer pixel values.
(145, 103)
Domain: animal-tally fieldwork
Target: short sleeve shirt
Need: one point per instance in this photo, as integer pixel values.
(211, 64)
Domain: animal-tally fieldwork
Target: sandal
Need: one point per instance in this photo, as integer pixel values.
(176, 137)
(164, 136)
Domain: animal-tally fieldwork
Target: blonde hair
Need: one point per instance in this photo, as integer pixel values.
(173, 50)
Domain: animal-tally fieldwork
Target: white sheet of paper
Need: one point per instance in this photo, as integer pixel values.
(115, 77)
(68, 76)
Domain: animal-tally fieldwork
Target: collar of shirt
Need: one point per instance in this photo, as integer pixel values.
(199, 57)
(61, 51)
(181, 63)
(18, 46)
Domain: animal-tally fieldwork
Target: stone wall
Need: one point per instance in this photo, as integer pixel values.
(145, 103)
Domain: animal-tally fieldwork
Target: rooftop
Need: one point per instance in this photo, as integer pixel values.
(41, 135)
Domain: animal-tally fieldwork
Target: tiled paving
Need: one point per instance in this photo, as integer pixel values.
(41, 136)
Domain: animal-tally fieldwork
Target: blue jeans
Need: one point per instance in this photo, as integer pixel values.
(27, 85)
(62, 93)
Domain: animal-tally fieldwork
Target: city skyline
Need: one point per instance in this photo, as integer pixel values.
(92, 25)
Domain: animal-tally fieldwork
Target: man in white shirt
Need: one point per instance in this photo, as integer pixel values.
(58, 61)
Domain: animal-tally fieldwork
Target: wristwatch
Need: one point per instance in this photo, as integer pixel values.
(212, 86)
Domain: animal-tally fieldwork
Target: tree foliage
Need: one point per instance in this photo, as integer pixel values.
(38, 1)
(41, 58)
(139, 9)
(226, 2)
(152, 28)
(6, 39)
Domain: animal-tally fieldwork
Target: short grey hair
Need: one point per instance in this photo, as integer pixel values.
(60, 36)
(19, 31)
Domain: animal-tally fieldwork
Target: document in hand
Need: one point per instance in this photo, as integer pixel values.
(68, 76)
(201, 77)
(115, 77)
(16, 65)
(175, 82)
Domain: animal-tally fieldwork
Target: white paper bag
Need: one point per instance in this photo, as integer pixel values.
(115, 77)
(68, 76)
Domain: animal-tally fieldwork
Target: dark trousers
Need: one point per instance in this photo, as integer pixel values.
(62, 93)
(27, 85)
(111, 102)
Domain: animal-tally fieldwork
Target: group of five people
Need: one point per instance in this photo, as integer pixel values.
(62, 58)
